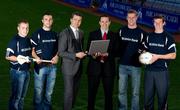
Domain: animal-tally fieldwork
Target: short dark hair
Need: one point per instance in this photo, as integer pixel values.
(104, 15)
(46, 13)
(132, 11)
(23, 21)
(159, 17)
(76, 13)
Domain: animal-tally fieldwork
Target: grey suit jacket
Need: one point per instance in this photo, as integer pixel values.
(68, 46)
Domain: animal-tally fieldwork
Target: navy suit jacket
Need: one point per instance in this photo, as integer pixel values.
(95, 67)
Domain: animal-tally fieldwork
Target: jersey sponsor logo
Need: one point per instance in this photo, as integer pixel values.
(38, 51)
(25, 49)
(156, 45)
(51, 40)
(129, 39)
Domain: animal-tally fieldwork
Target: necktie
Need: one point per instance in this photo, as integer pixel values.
(102, 59)
(77, 34)
(104, 36)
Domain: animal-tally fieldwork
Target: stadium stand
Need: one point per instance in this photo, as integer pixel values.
(171, 6)
(170, 9)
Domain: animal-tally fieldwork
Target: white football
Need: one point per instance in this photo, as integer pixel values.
(145, 58)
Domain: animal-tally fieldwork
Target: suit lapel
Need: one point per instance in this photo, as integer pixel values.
(71, 33)
(108, 34)
(76, 42)
(99, 36)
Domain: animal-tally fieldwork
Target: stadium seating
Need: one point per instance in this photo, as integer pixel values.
(171, 6)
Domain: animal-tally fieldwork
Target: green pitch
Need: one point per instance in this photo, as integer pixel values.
(11, 11)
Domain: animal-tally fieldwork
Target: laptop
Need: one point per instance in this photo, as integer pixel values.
(98, 46)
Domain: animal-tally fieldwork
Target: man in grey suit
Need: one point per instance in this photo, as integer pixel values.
(70, 49)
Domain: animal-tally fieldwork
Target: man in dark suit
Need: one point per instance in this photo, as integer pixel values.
(102, 65)
(70, 49)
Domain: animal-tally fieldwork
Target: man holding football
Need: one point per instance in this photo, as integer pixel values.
(162, 47)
